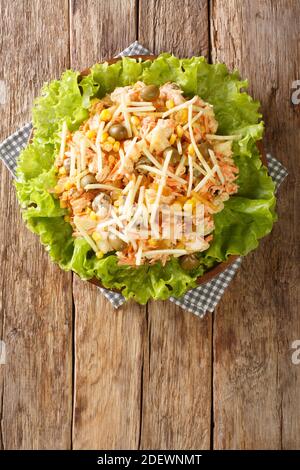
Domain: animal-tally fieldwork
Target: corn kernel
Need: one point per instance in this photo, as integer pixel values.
(111, 140)
(93, 215)
(96, 236)
(88, 210)
(170, 104)
(104, 136)
(191, 149)
(116, 146)
(99, 254)
(68, 185)
(181, 200)
(63, 204)
(62, 170)
(105, 115)
(189, 201)
(58, 189)
(172, 139)
(107, 147)
(118, 202)
(135, 120)
(91, 134)
(152, 242)
(180, 131)
(135, 131)
(67, 218)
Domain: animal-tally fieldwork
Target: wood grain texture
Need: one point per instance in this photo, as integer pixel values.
(256, 386)
(109, 343)
(177, 368)
(174, 26)
(36, 297)
(100, 29)
(108, 368)
(143, 376)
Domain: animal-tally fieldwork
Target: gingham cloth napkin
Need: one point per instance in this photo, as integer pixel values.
(200, 300)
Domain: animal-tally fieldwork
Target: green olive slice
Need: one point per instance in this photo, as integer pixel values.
(189, 262)
(118, 132)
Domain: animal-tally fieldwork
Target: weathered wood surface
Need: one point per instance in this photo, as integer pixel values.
(36, 297)
(176, 408)
(180, 27)
(108, 343)
(82, 375)
(256, 386)
(176, 411)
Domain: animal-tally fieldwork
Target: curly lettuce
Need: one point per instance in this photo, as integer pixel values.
(247, 216)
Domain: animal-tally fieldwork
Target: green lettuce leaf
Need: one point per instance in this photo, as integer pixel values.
(247, 216)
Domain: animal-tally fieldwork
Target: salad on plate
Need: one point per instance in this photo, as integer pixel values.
(146, 174)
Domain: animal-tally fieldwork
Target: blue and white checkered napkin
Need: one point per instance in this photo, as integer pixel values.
(199, 300)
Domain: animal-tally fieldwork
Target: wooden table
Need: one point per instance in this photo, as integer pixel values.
(80, 374)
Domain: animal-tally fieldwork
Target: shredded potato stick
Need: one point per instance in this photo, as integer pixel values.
(190, 176)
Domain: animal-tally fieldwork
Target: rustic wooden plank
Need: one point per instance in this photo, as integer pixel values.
(177, 26)
(109, 343)
(100, 29)
(36, 297)
(256, 386)
(108, 369)
(177, 382)
(177, 368)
